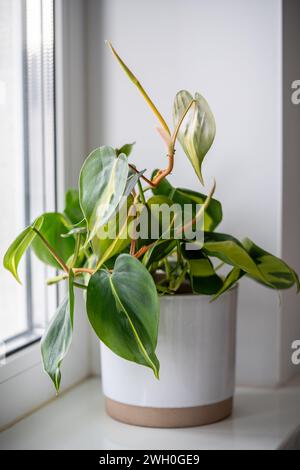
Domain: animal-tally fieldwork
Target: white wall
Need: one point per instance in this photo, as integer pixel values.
(230, 51)
(291, 188)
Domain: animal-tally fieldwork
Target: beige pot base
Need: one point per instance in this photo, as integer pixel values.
(169, 417)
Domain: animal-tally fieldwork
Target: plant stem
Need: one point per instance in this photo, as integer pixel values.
(80, 286)
(219, 266)
(161, 174)
(201, 210)
(136, 82)
(55, 255)
(143, 250)
(56, 279)
(174, 136)
(141, 192)
(132, 247)
(167, 268)
(76, 252)
(83, 270)
(142, 176)
(179, 255)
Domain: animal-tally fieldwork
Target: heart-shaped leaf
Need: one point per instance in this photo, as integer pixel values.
(102, 182)
(54, 226)
(123, 310)
(18, 247)
(198, 129)
(57, 340)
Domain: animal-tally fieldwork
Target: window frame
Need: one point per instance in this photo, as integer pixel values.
(22, 370)
(37, 75)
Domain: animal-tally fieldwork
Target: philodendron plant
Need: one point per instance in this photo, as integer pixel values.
(98, 243)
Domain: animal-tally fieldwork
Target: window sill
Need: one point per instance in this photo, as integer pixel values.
(262, 419)
(21, 341)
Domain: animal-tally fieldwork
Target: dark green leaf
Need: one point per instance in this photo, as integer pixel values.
(123, 309)
(159, 251)
(204, 279)
(72, 207)
(127, 149)
(56, 342)
(213, 213)
(182, 196)
(16, 250)
(54, 226)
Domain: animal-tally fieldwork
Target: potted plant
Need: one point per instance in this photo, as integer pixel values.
(153, 288)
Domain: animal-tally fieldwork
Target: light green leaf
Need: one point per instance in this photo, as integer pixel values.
(123, 309)
(231, 251)
(16, 250)
(275, 271)
(108, 247)
(102, 182)
(74, 231)
(132, 180)
(56, 341)
(197, 132)
(137, 83)
(54, 226)
(231, 279)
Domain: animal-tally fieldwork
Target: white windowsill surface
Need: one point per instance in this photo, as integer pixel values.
(262, 419)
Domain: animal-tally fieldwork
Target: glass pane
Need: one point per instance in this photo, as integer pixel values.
(13, 317)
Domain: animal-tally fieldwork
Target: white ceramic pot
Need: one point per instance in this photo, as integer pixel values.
(196, 350)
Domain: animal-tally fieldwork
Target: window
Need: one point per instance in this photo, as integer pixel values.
(28, 169)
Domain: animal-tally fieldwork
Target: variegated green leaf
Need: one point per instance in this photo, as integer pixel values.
(102, 182)
(106, 248)
(232, 252)
(197, 132)
(57, 340)
(275, 271)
